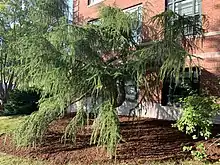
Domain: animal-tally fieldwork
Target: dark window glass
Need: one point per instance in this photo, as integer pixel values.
(91, 2)
(188, 84)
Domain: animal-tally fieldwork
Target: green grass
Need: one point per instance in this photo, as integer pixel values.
(185, 162)
(12, 160)
(8, 124)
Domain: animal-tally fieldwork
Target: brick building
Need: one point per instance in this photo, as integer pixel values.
(87, 11)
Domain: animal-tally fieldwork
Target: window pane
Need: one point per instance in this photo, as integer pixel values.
(188, 8)
(169, 1)
(171, 92)
(137, 12)
(170, 7)
(184, 7)
(94, 22)
(197, 6)
(90, 2)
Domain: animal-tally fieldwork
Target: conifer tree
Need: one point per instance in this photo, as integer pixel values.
(71, 63)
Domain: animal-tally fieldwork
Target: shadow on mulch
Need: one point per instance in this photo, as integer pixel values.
(146, 139)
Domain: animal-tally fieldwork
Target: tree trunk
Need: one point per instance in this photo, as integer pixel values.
(120, 93)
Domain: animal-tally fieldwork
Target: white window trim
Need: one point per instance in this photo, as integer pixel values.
(94, 3)
(213, 33)
(132, 8)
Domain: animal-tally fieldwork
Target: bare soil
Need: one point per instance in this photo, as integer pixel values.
(143, 140)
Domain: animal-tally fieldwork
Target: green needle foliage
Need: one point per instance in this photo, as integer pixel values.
(106, 131)
(34, 127)
(70, 63)
(76, 123)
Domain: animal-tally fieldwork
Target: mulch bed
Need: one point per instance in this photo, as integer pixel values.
(143, 140)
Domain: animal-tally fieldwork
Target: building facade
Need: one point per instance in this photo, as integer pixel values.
(209, 50)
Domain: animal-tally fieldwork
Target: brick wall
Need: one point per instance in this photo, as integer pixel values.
(209, 50)
(87, 13)
(211, 8)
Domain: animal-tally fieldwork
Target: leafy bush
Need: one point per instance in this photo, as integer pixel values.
(197, 116)
(22, 102)
(199, 153)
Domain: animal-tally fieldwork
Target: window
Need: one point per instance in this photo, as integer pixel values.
(188, 8)
(171, 92)
(131, 91)
(92, 2)
(94, 22)
(137, 11)
(136, 29)
(185, 7)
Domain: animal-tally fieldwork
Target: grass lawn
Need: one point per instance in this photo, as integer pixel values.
(8, 124)
(12, 160)
(186, 162)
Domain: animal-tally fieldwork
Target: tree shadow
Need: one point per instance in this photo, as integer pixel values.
(144, 139)
(210, 83)
(151, 139)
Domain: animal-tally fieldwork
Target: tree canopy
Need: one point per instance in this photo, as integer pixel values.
(70, 63)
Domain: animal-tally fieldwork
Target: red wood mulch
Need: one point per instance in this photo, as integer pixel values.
(146, 139)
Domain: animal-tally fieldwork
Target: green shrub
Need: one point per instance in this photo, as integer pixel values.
(199, 153)
(197, 116)
(22, 102)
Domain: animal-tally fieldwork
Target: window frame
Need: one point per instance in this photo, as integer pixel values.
(89, 3)
(174, 2)
(130, 10)
(136, 8)
(94, 21)
(168, 90)
(197, 15)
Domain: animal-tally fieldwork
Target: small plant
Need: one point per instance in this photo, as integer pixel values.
(187, 148)
(197, 116)
(199, 153)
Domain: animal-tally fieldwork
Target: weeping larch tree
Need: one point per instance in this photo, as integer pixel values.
(70, 63)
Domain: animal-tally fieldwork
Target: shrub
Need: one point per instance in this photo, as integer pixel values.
(199, 153)
(22, 102)
(197, 116)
